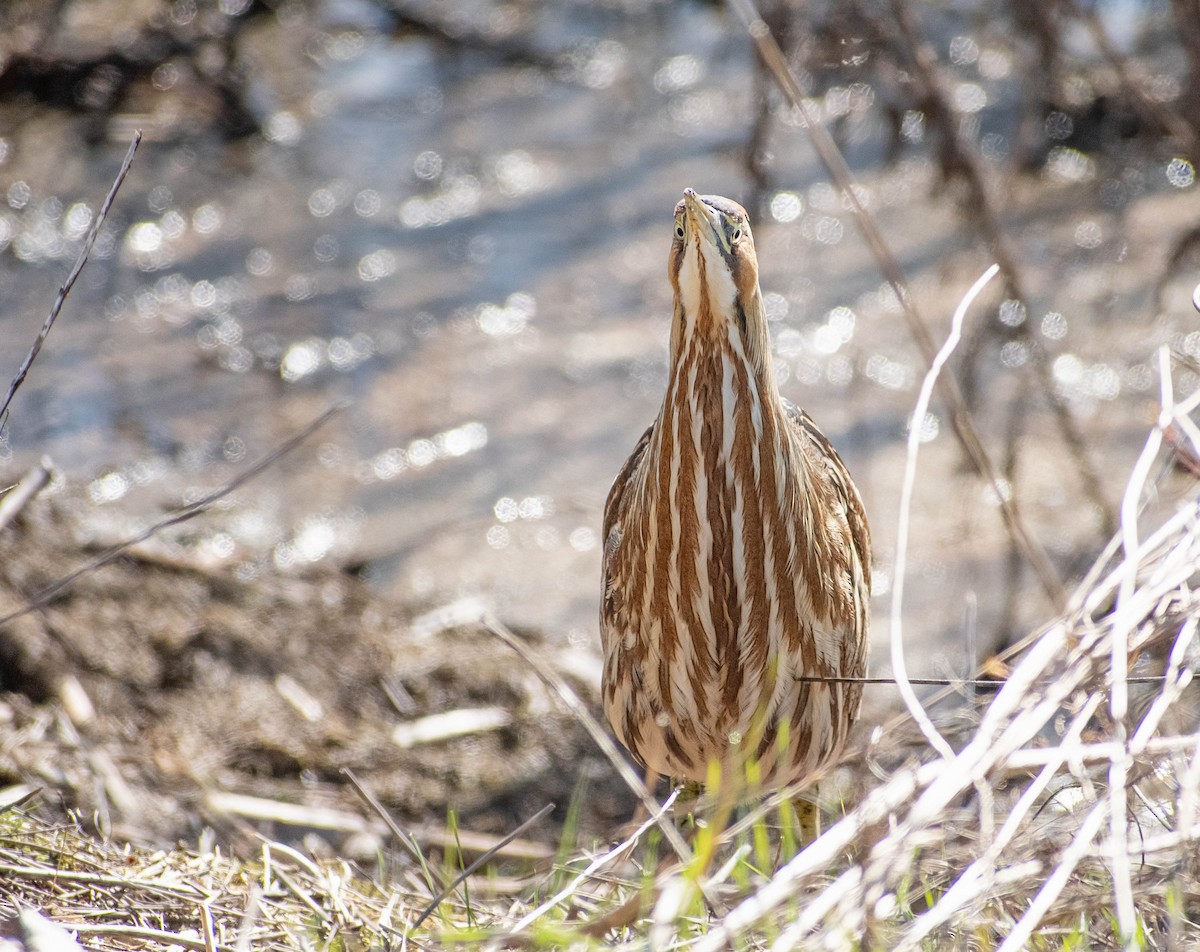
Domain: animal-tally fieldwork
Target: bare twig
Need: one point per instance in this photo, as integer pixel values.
(480, 862)
(63, 291)
(140, 932)
(945, 682)
(1153, 111)
(982, 873)
(984, 218)
(1018, 938)
(30, 485)
(959, 414)
(127, 881)
(402, 837)
(1128, 615)
(899, 668)
(175, 518)
(206, 928)
(592, 869)
(472, 841)
(443, 726)
(287, 814)
(560, 687)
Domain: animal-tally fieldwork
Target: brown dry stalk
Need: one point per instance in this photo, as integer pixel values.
(1050, 715)
(80, 261)
(982, 215)
(959, 414)
(179, 516)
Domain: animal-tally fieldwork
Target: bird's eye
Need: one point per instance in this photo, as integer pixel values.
(679, 231)
(737, 233)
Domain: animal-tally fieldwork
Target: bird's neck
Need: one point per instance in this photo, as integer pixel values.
(719, 353)
(723, 420)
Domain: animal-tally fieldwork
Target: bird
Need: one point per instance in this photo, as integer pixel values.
(736, 552)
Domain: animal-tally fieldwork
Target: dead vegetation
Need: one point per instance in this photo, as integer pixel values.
(1059, 809)
(1068, 813)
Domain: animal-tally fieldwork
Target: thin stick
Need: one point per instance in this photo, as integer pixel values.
(1155, 110)
(1054, 884)
(948, 682)
(820, 855)
(30, 485)
(138, 932)
(185, 514)
(403, 838)
(208, 931)
(1179, 676)
(980, 211)
(283, 812)
(54, 874)
(959, 415)
(302, 894)
(80, 261)
(981, 874)
(594, 867)
(910, 476)
(291, 853)
(486, 857)
(472, 841)
(598, 734)
(1127, 615)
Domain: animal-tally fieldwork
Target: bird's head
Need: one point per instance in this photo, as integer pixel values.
(714, 273)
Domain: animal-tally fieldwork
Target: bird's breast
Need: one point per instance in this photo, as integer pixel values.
(713, 579)
(721, 536)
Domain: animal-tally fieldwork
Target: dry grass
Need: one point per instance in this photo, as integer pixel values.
(1072, 807)
(1068, 816)
(116, 897)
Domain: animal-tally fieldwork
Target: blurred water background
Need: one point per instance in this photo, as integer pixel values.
(456, 215)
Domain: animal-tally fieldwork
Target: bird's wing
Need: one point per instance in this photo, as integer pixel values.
(849, 561)
(822, 453)
(614, 513)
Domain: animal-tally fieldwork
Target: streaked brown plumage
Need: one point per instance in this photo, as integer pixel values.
(736, 552)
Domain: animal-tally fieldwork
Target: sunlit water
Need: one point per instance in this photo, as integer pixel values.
(473, 253)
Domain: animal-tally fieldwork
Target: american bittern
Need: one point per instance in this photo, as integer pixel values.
(736, 551)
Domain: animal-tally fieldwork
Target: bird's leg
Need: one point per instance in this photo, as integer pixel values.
(808, 817)
(690, 792)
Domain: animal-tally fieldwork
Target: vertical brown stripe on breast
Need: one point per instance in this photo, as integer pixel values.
(758, 513)
(661, 557)
(783, 533)
(692, 626)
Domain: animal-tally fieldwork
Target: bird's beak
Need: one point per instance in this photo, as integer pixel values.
(703, 219)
